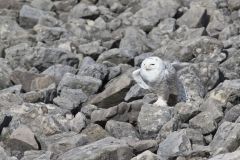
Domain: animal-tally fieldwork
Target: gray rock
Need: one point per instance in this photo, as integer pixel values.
(4, 155)
(60, 143)
(159, 35)
(9, 28)
(229, 31)
(13, 89)
(227, 91)
(151, 119)
(121, 130)
(65, 6)
(135, 92)
(49, 21)
(234, 4)
(83, 10)
(103, 115)
(32, 97)
(195, 17)
(186, 111)
(226, 139)
(5, 72)
(217, 23)
(230, 67)
(16, 53)
(70, 98)
(195, 136)
(169, 127)
(30, 114)
(204, 121)
(176, 144)
(95, 132)
(153, 12)
(37, 155)
(22, 139)
(29, 16)
(90, 68)
(230, 156)
(46, 5)
(92, 49)
(12, 4)
(202, 45)
(114, 91)
(116, 56)
(49, 34)
(57, 71)
(208, 73)
(88, 85)
(114, 72)
(106, 147)
(42, 58)
(143, 145)
(147, 155)
(232, 114)
(88, 109)
(31, 81)
(78, 123)
(186, 33)
(9, 101)
(134, 40)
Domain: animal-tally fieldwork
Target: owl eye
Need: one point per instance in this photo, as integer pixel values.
(152, 64)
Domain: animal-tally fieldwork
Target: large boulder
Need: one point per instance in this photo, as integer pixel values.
(107, 147)
(151, 119)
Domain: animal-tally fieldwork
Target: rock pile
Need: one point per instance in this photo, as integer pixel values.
(66, 91)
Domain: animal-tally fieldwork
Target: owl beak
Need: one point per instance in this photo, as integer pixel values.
(147, 67)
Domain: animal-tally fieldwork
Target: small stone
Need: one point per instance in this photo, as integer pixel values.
(88, 85)
(147, 155)
(90, 68)
(114, 92)
(57, 71)
(46, 5)
(78, 123)
(103, 115)
(106, 147)
(151, 119)
(226, 138)
(22, 139)
(121, 130)
(29, 16)
(176, 144)
(230, 156)
(204, 122)
(194, 17)
(95, 132)
(88, 109)
(69, 140)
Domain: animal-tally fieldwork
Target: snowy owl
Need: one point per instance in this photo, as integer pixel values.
(160, 77)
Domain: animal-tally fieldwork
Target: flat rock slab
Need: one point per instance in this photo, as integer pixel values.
(22, 139)
(151, 119)
(228, 156)
(114, 92)
(107, 148)
(176, 144)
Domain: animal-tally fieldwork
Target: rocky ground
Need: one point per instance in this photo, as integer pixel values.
(66, 91)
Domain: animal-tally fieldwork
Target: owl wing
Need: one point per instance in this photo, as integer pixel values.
(137, 77)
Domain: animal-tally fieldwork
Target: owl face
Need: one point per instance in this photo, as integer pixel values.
(152, 64)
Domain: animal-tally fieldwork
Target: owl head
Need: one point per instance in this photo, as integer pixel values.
(152, 64)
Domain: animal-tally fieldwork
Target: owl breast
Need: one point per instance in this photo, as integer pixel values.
(149, 76)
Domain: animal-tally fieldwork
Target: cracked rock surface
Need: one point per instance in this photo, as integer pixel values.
(66, 86)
